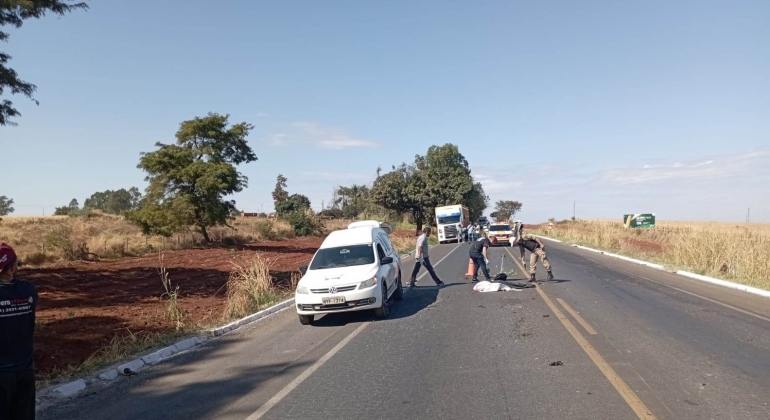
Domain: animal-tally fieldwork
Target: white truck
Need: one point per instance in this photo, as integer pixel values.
(450, 220)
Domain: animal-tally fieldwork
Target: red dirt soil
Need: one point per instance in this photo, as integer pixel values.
(85, 305)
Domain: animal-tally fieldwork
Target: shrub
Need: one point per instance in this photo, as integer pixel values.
(250, 288)
(61, 238)
(304, 224)
(38, 258)
(264, 230)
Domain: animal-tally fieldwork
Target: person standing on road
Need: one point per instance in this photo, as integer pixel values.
(421, 258)
(18, 302)
(478, 254)
(537, 251)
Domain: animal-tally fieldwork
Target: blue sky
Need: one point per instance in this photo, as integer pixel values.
(653, 106)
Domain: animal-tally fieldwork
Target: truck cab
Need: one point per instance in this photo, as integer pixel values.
(450, 220)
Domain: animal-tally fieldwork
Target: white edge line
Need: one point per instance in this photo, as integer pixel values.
(712, 280)
(309, 371)
(304, 375)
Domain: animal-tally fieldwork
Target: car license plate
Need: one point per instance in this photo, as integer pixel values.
(333, 300)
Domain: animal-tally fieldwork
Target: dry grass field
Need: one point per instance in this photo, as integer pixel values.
(43, 241)
(733, 251)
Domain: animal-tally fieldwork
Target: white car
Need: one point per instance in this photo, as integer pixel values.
(500, 233)
(355, 269)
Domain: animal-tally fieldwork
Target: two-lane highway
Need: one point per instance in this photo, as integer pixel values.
(625, 342)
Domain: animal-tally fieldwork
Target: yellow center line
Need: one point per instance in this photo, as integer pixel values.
(577, 317)
(617, 382)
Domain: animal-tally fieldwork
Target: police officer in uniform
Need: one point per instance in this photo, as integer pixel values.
(537, 251)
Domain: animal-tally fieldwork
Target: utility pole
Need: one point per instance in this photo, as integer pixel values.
(379, 169)
(573, 210)
(748, 215)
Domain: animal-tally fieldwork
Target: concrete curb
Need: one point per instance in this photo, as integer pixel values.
(252, 318)
(712, 280)
(132, 367)
(724, 283)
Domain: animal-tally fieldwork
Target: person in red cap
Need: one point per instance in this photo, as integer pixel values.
(18, 302)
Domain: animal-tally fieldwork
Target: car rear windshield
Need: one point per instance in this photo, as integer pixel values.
(343, 256)
(499, 227)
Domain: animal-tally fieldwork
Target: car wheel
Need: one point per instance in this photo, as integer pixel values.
(399, 293)
(384, 310)
(306, 319)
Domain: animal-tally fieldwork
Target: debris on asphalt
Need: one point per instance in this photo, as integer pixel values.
(128, 372)
(557, 363)
(546, 316)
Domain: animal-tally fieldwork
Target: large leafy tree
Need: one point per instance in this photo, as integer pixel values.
(295, 202)
(189, 180)
(13, 13)
(400, 191)
(505, 210)
(440, 177)
(477, 201)
(114, 202)
(445, 177)
(6, 206)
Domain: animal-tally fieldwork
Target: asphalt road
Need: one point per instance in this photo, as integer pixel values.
(630, 342)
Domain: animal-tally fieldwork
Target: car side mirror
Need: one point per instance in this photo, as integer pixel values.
(303, 269)
(386, 260)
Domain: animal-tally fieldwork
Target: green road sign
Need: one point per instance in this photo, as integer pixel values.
(639, 220)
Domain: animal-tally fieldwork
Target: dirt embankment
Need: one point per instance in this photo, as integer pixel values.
(85, 305)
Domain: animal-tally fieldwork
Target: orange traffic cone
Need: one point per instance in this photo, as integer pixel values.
(471, 268)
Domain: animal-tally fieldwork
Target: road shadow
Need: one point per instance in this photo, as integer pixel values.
(344, 318)
(197, 390)
(415, 300)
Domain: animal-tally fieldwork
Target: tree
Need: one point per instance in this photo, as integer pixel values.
(114, 202)
(67, 210)
(6, 206)
(295, 203)
(352, 200)
(398, 191)
(506, 209)
(477, 201)
(189, 180)
(279, 193)
(13, 13)
(441, 177)
(445, 178)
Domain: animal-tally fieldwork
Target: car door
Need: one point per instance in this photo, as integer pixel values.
(385, 271)
(391, 251)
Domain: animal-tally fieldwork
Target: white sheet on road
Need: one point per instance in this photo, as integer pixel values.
(486, 286)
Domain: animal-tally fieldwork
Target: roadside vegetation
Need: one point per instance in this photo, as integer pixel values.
(51, 240)
(732, 251)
